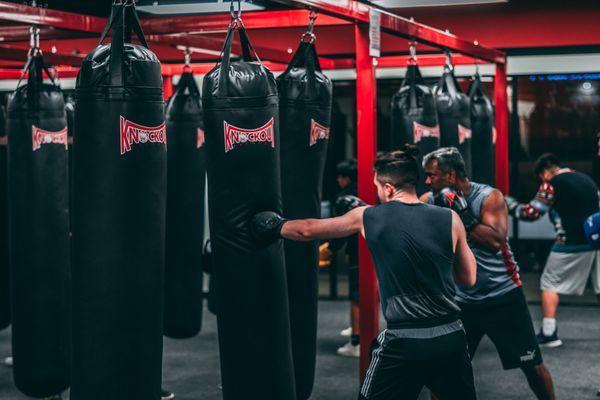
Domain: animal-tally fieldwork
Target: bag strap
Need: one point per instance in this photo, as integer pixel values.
(123, 19)
(225, 59)
(187, 82)
(477, 87)
(306, 56)
(448, 81)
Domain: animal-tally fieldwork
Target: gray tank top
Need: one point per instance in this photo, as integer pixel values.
(497, 272)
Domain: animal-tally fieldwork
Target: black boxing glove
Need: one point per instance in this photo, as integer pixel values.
(344, 204)
(265, 227)
(454, 200)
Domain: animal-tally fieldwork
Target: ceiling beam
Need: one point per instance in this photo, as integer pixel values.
(19, 54)
(357, 12)
(48, 17)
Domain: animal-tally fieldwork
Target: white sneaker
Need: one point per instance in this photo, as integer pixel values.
(8, 361)
(346, 332)
(348, 350)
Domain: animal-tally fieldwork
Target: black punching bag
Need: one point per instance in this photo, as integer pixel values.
(39, 235)
(305, 117)
(119, 204)
(241, 123)
(454, 116)
(185, 211)
(414, 118)
(483, 145)
(4, 266)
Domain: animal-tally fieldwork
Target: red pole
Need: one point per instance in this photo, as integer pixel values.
(366, 128)
(501, 101)
(167, 86)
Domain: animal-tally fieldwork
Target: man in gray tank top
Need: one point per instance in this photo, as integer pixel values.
(419, 252)
(495, 306)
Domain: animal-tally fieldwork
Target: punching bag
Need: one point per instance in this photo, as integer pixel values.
(39, 234)
(305, 119)
(483, 145)
(4, 266)
(185, 211)
(414, 118)
(454, 116)
(241, 121)
(119, 204)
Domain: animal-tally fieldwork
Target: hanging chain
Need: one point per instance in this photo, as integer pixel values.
(309, 35)
(34, 41)
(236, 15)
(412, 50)
(449, 60)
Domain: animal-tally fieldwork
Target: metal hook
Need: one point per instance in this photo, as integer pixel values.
(236, 15)
(412, 49)
(309, 36)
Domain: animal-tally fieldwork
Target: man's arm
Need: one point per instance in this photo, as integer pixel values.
(425, 196)
(305, 230)
(536, 208)
(492, 230)
(465, 267)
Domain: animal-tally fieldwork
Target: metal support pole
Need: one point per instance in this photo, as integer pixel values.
(501, 101)
(167, 86)
(366, 133)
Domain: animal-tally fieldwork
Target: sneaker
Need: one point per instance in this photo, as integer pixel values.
(346, 332)
(8, 361)
(549, 341)
(348, 350)
(166, 395)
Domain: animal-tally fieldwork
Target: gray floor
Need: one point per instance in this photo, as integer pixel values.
(192, 368)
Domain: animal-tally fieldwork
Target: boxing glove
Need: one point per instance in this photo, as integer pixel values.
(591, 227)
(454, 200)
(343, 204)
(265, 227)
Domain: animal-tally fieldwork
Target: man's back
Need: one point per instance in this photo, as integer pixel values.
(575, 199)
(413, 253)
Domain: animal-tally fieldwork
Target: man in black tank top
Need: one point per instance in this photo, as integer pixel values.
(419, 252)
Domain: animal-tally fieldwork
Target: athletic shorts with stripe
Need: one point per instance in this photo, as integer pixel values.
(405, 360)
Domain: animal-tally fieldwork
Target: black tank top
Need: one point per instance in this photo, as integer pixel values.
(411, 245)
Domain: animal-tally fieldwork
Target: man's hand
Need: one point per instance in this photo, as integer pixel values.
(347, 203)
(265, 227)
(454, 200)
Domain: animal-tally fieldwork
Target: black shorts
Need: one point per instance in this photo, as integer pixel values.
(353, 282)
(400, 367)
(507, 322)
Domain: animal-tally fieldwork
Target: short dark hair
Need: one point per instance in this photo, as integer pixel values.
(544, 162)
(448, 159)
(399, 168)
(347, 168)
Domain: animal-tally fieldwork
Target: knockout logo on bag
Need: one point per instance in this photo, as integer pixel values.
(463, 134)
(200, 138)
(317, 132)
(41, 137)
(235, 135)
(423, 131)
(132, 133)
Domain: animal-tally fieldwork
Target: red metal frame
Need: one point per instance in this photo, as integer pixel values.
(501, 101)
(366, 142)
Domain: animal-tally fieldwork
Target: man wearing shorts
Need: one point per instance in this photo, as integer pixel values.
(569, 197)
(419, 251)
(496, 305)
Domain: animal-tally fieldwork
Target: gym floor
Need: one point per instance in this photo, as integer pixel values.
(191, 367)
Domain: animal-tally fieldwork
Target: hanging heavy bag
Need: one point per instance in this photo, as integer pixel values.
(483, 145)
(242, 137)
(414, 118)
(119, 204)
(185, 211)
(454, 116)
(39, 234)
(305, 119)
(4, 266)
